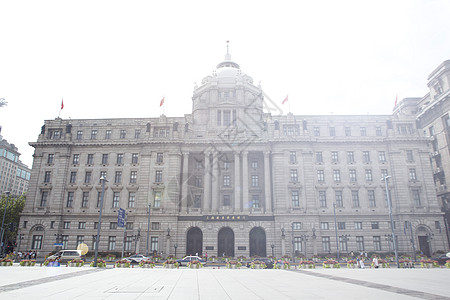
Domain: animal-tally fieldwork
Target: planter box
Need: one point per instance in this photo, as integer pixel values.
(6, 264)
(148, 266)
(169, 266)
(122, 266)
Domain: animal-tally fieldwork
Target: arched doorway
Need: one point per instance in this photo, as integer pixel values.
(225, 240)
(258, 242)
(194, 241)
(424, 241)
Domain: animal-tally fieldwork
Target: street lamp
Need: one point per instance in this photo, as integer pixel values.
(175, 246)
(336, 231)
(385, 178)
(148, 225)
(3, 221)
(97, 240)
(272, 246)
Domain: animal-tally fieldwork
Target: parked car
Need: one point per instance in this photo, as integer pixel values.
(137, 258)
(189, 258)
(267, 261)
(66, 255)
(441, 259)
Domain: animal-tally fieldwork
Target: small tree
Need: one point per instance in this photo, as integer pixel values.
(12, 218)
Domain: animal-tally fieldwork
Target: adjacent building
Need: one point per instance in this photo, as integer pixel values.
(235, 177)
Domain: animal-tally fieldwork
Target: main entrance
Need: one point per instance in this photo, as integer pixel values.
(225, 241)
(424, 245)
(194, 241)
(257, 242)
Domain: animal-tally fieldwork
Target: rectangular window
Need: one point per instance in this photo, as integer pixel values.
(348, 131)
(334, 156)
(157, 202)
(337, 175)
(47, 176)
(350, 157)
(319, 157)
(131, 199)
(416, 198)
(326, 246)
(343, 243)
(384, 173)
(84, 202)
(128, 243)
(79, 134)
(358, 225)
(377, 243)
(156, 225)
(339, 200)
(219, 118)
(322, 199)
(108, 134)
(226, 200)
(116, 200)
(324, 226)
(123, 134)
(93, 134)
(297, 225)
(341, 225)
(158, 176)
(198, 181)
(371, 196)
(90, 159)
(375, 225)
(80, 239)
(119, 158)
(104, 159)
(297, 245)
(137, 134)
(409, 155)
(160, 157)
(378, 131)
(294, 175)
(292, 157)
(76, 159)
(355, 199)
(133, 176)
(36, 244)
(26, 222)
(154, 244)
(226, 117)
(70, 199)
(366, 156)
(363, 131)
(226, 180)
(316, 131)
(113, 225)
(412, 174)
(295, 199)
(111, 243)
(134, 158)
(320, 176)
(226, 165)
(50, 159)
(197, 201)
(73, 177)
(352, 174)
(65, 242)
(129, 226)
(332, 131)
(66, 225)
(81, 225)
(368, 173)
(255, 180)
(255, 201)
(381, 156)
(254, 164)
(360, 243)
(99, 197)
(87, 177)
(102, 175)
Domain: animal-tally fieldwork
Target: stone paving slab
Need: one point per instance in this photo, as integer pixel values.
(209, 283)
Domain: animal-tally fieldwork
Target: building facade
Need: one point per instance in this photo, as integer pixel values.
(14, 175)
(234, 178)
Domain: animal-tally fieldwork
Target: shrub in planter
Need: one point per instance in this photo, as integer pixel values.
(147, 264)
(110, 257)
(6, 262)
(194, 264)
(306, 264)
(28, 262)
(241, 258)
(233, 264)
(55, 262)
(351, 264)
(122, 263)
(212, 258)
(75, 263)
(257, 264)
(282, 264)
(100, 263)
(428, 263)
(331, 263)
(171, 264)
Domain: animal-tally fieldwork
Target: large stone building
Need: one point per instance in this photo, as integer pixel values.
(14, 175)
(235, 178)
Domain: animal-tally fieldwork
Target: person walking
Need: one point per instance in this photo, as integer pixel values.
(375, 262)
(361, 262)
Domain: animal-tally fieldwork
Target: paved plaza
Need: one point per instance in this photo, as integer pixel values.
(211, 283)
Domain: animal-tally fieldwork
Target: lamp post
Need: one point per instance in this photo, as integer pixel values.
(272, 246)
(336, 232)
(97, 240)
(148, 225)
(429, 238)
(3, 221)
(175, 246)
(385, 178)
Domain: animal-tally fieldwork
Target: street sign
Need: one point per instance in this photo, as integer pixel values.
(121, 218)
(58, 244)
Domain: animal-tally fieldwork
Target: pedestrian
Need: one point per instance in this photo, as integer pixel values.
(375, 262)
(361, 262)
(358, 265)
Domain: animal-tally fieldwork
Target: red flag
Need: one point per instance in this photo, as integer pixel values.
(162, 102)
(285, 100)
(62, 103)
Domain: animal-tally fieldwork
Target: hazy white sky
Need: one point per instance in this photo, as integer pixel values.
(111, 59)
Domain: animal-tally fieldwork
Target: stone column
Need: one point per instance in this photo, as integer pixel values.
(245, 181)
(184, 189)
(215, 183)
(207, 184)
(267, 182)
(167, 245)
(237, 183)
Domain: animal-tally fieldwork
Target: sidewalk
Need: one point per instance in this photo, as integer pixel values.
(208, 283)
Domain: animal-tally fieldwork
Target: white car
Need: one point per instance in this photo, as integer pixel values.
(189, 258)
(136, 258)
